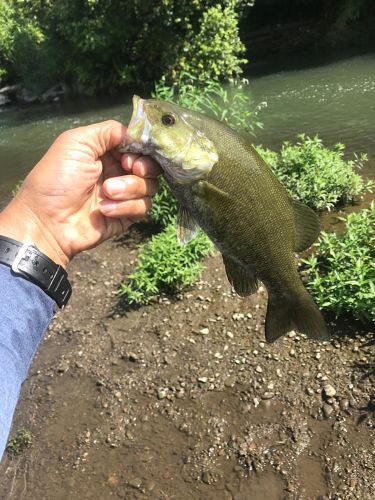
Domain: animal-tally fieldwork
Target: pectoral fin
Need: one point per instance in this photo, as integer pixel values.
(243, 281)
(187, 228)
(307, 226)
(210, 193)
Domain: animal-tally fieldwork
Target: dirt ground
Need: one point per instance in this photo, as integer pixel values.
(184, 399)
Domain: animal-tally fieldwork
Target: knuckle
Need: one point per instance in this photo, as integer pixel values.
(111, 123)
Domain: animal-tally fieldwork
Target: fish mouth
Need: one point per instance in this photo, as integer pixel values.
(139, 128)
(138, 110)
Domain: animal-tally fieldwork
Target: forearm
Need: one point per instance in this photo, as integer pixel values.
(25, 313)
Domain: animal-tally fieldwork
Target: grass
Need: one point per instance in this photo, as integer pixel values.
(341, 274)
(21, 440)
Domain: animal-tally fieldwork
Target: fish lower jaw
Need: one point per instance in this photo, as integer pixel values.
(131, 146)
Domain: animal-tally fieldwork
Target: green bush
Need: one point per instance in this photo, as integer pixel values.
(6, 36)
(164, 266)
(316, 175)
(342, 272)
(103, 46)
(20, 40)
(213, 52)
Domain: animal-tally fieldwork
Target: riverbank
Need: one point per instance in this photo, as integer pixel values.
(183, 399)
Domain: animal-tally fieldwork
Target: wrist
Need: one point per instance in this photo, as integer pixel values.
(20, 223)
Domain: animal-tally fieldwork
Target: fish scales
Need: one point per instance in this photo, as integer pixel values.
(241, 220)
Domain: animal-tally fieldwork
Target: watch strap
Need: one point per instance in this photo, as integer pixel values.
(28, 261)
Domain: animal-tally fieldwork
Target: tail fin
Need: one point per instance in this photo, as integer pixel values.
(297, 312)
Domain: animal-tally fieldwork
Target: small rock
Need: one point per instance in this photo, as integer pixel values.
(230, 335)
(207, 477)
(327, 410)
(149, 486)
(230, 382)
(259, 369)
(162, 393)
(202, 380)
(352, 402)
(204, 331)
(268, 395)
(4, 99)
(28, 96)
(238, 316)
(344, 404)
(329, 391)
(135, 482)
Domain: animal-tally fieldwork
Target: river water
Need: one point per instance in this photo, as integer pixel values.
(336, 101)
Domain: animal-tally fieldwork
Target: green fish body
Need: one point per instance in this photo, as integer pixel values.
(225, 187)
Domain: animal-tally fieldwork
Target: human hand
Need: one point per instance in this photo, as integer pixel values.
(78, 196)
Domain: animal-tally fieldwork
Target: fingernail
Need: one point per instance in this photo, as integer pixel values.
(115, 186)
(108, 206)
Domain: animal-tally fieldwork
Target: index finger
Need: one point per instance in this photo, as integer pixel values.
(142, 166)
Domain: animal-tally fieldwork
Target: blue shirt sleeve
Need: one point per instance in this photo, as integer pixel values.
(25, 313)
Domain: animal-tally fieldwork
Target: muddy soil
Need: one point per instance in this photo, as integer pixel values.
(184, 399)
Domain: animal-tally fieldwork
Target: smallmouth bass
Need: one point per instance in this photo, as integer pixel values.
(226, 188)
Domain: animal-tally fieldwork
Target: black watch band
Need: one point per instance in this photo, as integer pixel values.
(26, 260)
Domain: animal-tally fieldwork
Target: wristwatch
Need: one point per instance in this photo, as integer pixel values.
(28, 261)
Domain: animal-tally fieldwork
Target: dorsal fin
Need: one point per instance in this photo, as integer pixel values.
(306, 224)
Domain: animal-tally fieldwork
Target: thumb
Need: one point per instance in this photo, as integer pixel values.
(101, 137)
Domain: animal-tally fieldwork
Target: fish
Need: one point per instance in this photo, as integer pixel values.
(225, 188)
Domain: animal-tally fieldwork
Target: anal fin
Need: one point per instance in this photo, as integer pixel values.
(243, 281)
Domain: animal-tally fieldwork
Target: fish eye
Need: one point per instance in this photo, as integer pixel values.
(168, 120)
